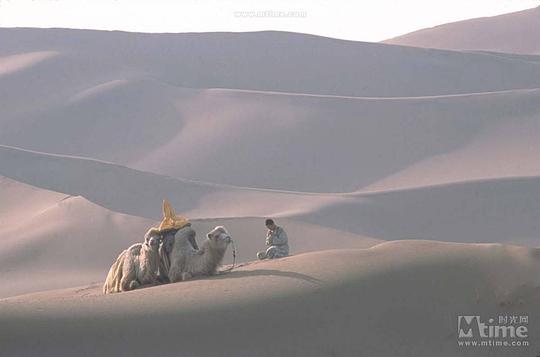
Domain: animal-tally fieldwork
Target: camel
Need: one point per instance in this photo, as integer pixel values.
(187, 262)
(136, 266)
(168, 227)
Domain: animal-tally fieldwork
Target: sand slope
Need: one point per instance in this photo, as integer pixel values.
(143, 101)
(21, 202)
(495, 210)
(50, 240)
(501, 210)
(270, 61)
(289, 141)
(517, 32)
(141, 193)
(329, 144)
(399, 298)
(58, 242)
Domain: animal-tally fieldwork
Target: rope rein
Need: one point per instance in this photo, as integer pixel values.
(234, 259)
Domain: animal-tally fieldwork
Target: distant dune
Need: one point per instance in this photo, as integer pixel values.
(149, 102)
(399, 298)
(473, 211)
(267, 61)
(517, 32)
(290, 141)
(140, 193)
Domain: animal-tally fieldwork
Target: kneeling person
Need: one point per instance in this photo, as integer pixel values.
(277, 242)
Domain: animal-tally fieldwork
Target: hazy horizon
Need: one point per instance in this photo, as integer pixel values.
(342, 20)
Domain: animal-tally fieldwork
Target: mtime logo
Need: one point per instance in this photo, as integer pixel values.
(473, 331)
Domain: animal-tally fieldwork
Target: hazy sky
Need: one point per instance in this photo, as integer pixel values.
(365, 20)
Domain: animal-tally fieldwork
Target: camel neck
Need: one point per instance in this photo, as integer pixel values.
(212, 256)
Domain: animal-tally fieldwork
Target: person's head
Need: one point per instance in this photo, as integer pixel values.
(269, 223)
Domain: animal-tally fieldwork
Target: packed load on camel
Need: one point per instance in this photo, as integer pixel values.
(169, 253)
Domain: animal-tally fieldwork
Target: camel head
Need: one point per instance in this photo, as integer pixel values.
(152, 238)
(219, 237)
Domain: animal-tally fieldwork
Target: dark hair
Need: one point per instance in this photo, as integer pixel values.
(268, 222)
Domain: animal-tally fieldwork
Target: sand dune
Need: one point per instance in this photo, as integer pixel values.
(396, 298)
(142, 101)
(18, 62)
(22, 202)
(140, 193)
(300, 142)
(517, 32)
(50, 240)
(292, 142)
(473, 211)
(500, 210)
(117, 120)
(270, 61)
(346, 144)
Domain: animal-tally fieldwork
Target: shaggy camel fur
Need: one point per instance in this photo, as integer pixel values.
(167, 241)
(136, 266)
(187, 262)
(168, 227)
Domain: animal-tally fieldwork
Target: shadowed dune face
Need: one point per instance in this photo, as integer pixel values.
(476, 211)
(121, 97)
(293, 142)
(54, 240)
(270, 61)
(315, 304)
(323, 144)
(504, 211)
(516, 32)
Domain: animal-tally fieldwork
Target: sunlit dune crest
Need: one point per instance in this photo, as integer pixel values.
(21, 61)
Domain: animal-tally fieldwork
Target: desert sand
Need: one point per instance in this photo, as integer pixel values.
(407, 179)
(52, 243)
(395, 298)
(464, 211)
(517, 32)
(463, 106)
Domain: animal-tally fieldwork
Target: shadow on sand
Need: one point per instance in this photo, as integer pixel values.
(266, 272)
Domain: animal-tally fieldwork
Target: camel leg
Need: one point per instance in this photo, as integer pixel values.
(129, 279)
(134, 284)
(127, 284)
(186, 276)
(174, 276)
